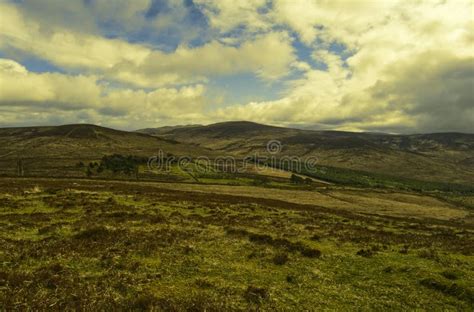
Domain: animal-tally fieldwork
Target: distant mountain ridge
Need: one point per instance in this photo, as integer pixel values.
(445, 157)
(238, 129)
(86, 141)
(164, 129)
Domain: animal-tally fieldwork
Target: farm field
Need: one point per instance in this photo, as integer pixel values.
(92, 244)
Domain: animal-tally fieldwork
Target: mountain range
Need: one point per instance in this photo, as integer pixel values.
(447, 157)
(438, 156)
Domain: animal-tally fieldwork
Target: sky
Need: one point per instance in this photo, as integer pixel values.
(378, 66)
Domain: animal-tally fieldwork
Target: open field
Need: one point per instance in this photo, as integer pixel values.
(93, 244)
(87, 222)
(214, 156)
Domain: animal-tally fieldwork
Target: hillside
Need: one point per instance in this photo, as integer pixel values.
(447, 157)
(63, 146)
(440, 157)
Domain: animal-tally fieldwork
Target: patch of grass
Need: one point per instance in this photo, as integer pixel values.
(261, 238)
(450, 274)
(256, 294)
(280, 259)
(449, 288)
(361, 178)
(311, 252)
(138, 246)
(365, 253)
(94, 233)
(428, 254)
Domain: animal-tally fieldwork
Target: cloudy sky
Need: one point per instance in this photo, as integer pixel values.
(393, 66)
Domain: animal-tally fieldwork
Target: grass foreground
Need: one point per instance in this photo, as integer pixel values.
(96, 245)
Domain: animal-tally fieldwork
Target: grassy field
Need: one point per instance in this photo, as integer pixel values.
(95, 245)
(368, 179)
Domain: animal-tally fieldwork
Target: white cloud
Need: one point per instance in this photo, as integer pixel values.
(64, 47)
(51, 95)
(84, 16)
(269, 56)
(396, 77)
(19, 87)
(139, 65)
(225, 15)
(405, 64)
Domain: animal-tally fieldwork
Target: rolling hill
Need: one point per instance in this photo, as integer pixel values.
(440, 157)
(446, 157)
(49, 148)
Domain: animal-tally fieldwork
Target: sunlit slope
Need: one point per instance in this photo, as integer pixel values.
(57, 150)
(443, 157)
